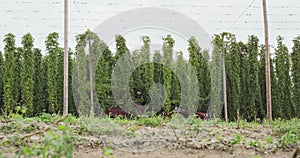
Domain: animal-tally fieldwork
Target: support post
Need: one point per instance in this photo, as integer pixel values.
(91, 78)
(267, 56)
(66, 55)
(224, 79)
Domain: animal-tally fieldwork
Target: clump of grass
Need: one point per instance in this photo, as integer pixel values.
(238, 138)
(257, 144)
(153, 121)
(107, 152)
(103, 126)
(289, 138)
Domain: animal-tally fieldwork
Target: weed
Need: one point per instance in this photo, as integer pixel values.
(107, 151)
(219, 138)
(132, 128)
(237, 139)
(256, 144)
(56, 144)
(269, 140)
(288, 139)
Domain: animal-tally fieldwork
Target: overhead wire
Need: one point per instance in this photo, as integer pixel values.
(75, 3)
(241, 15)
(280, 25)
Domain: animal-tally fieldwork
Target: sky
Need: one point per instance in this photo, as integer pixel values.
(241, 17)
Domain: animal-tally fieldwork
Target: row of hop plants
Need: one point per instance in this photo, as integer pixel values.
(32, 80)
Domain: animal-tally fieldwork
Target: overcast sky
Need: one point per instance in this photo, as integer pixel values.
(40, 17)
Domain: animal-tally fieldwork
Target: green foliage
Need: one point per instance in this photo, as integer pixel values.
(282, 61)
(142, 77)
(1, 80)
(72, 106)
(103, 126)
(284, 126)
(122, 67)
(103, 79)
(262, 79)
(147, 76)
(295, 56)
(80, 73)
(233, 69)
(60, 80)
(37, 81)
(216, 79)
(269, 140)
(158, 68)
(52, 50)
(200, 67)
(27, 73)
(56, 144)
(180, 69)
(254, 96)
(238, 138)
(98, 61)
(274, 89)
(151, 121)
(48, 118)
(288, 138)
(244, 72)
(44, 79)
(107, 151)
(258, 145)
(17, 86)
(168, 43)
(9, 52)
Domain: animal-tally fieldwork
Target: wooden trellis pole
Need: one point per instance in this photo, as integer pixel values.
(224, 79)
(267, 56)
(66, 68)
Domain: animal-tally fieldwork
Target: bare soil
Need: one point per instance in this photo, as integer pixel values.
(180, 153)
(135, 141)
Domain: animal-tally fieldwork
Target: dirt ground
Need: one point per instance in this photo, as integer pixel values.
(208, 142)
(131, 140)
(180, 153)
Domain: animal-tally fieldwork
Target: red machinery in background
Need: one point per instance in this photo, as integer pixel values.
(117, 111)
